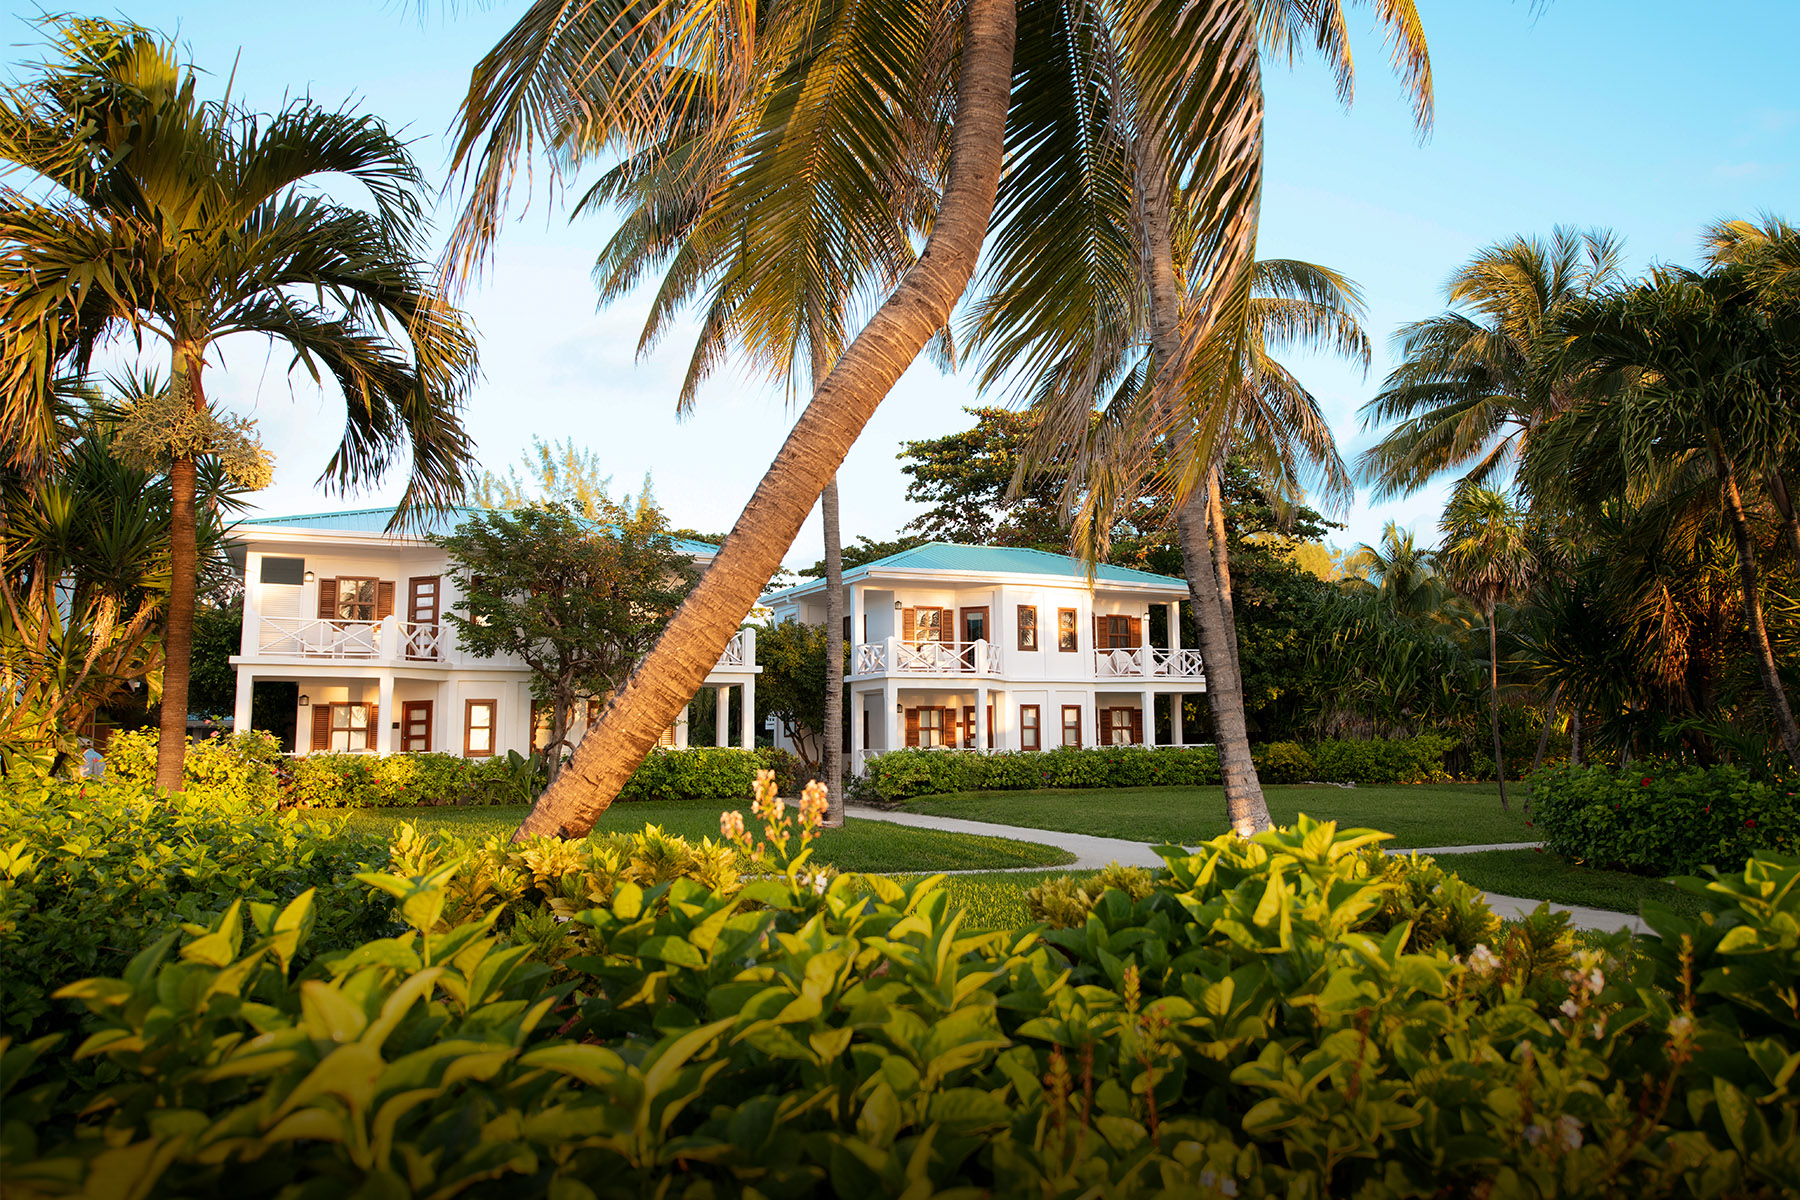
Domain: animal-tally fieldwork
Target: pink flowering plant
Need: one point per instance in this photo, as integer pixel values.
(786, 847)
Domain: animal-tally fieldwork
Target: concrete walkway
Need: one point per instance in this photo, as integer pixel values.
(1091, 853)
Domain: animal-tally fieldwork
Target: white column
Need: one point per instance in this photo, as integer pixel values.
(1175, 732)
(856, 622)
(1004, 736)
(981, 721)
(681, 727)
(251, 642)
(890, 720)
(385, 716)
(722, 715)
(747, 697)
(1147, 705)
(240, 709)
(1174, 624)
(858, 705)
(1090, 717)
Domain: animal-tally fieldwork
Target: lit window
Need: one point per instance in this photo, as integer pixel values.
(931, 727)
(478, 729)
(1065, 629)
(356, 599)
(1071, 725)
(1029, 738)
(1028, 627)
(350, 727)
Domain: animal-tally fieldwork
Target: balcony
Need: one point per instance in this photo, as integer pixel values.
(1148, 662)
(395, 640)
(895, 657)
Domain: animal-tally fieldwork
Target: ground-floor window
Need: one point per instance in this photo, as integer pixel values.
(1029, 736)
(1071, 724)
(343, 727)
(1120, 726)
(415, 726)
(478, 728)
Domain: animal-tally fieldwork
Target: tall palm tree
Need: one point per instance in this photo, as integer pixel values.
(955, 62)
(1487, 558)
(187, 221)
(1689, 376)
(1401, 571)
(1470, 389)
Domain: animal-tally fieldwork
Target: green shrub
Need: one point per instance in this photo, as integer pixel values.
(696, 773)
(1663, 820)
(1383, 760)
(1283, 762)
(1241, 1028)
(903, 774)
(95, 872)
(786, 765)
(244, 766)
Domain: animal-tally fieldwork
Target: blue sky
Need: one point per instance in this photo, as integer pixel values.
(1650, 117)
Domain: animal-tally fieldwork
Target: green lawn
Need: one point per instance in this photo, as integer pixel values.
(859, 846)
(1447, 814)
(1533, 876)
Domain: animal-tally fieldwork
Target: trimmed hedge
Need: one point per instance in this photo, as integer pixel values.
(243, 767)
(709, 773)
(1384, 760)
(903, 774)
(1666, 820)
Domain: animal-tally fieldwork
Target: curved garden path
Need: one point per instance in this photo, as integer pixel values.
(1092, 853)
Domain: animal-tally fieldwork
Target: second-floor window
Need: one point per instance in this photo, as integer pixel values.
(356, 598)
(1117, 633)
(1028, 627)
(1065, 630)
(922, 625)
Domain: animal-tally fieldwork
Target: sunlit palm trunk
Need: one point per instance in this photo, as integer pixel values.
(815, 448)
(832, 753)
(1244, 802)
(1750, 577)
(1221, 542)
(184, 563)
(1494, 703)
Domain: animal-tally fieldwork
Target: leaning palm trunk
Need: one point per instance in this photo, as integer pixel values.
(815, 448)
(1244, 803)
(832, 752)
(1790, 519)
(1750, 578)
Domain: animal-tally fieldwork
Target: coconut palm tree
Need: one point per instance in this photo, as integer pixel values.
(155, 214)
(951, 63)
(1470, 389)
(1401, 571)
(1486, 557)
(1689, 376)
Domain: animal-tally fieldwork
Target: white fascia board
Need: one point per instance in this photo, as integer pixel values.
(984, 578)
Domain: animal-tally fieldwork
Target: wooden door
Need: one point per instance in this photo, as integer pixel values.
(974, 629)
(422, 598)
(415, 726)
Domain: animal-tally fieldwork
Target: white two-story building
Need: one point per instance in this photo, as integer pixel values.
(355, 617)
(1005, 649)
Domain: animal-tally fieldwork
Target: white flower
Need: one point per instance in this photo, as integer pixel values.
(819, 884)
(1570, 1008)
(1680, 1025)
(1568, 1132)
(1483, 961)
(1600, 1028)
(1228, 1188)
(1536, 1131)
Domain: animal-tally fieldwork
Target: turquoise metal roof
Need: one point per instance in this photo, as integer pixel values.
(993, 560)
(375, 520)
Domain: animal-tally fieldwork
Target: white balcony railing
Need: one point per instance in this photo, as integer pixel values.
(926, 658)
(740, 651)
(422, 641)
(321, 638)
(1148, 662)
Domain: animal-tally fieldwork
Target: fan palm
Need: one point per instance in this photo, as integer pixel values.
(622, 69)
(1470, 389)
(188, 221)
(1487, 558)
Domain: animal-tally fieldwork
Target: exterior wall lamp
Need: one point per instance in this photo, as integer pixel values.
(309, 577)
(305, 700)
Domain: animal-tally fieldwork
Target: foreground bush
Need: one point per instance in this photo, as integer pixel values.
(1243, 1027)
(1661, 820)
(903, 774)
(91, 873)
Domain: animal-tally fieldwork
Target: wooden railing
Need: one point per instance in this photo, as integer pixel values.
(1148, 662)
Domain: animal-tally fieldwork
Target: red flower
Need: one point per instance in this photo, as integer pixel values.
(1750, 823)
(1709, 808)
(1528, 824)
(1539, 849)
(1646, 783)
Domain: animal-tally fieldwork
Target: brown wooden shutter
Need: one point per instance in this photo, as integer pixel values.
(990, 739)
(384, 599)
(912, 727)
(909, 626)
(369, 733)
(321, 731)
(1099, 632)
(1137, 632)
(1137, 726)
(1105, 727)
(327, 599)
